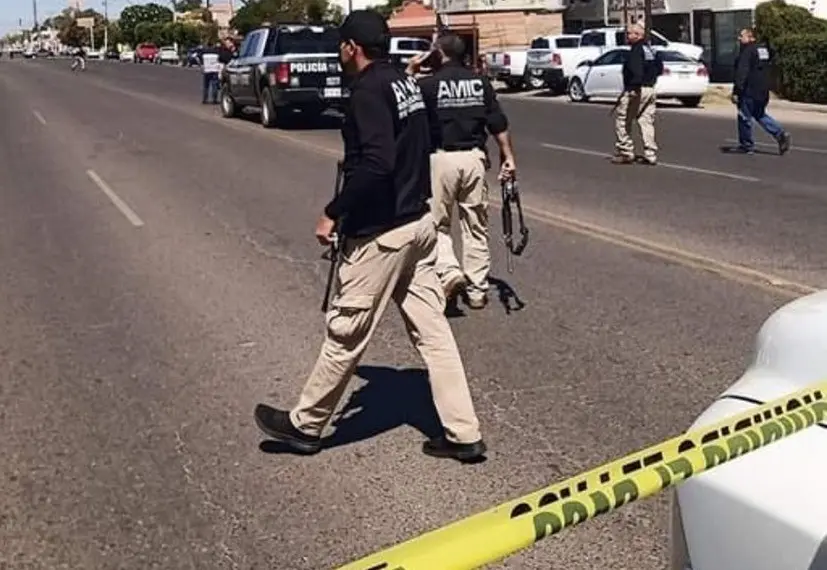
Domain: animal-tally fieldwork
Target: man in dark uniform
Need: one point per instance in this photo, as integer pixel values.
(751, 93)
(637, 103)
(389, 252)
(462, 109)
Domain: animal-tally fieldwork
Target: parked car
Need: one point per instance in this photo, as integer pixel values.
(145, 52)
(167, 54)
(403, 49)
(127, 55)
(509, 66)
(111, 54)
(553, 59)
(683, 78)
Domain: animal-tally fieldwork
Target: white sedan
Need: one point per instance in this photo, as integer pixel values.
(683, 78)
(167, 54)
(128, 56)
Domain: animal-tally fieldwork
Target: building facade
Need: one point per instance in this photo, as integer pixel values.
(483, 30)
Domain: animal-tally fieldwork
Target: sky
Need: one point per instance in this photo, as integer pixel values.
(12, 10)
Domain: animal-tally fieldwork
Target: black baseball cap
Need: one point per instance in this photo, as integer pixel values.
(365, 28)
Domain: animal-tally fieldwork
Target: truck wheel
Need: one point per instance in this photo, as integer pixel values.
(269, 117)
(690, 101)
(228, 106)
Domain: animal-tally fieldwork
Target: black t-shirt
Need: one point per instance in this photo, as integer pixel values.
(387, 176)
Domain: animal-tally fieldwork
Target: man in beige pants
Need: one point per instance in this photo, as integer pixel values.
(637, 103)
(462, 106)
(389, 253)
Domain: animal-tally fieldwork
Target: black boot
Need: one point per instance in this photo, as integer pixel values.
(276, 424)
(463, 452)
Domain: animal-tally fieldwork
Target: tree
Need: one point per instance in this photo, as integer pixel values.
(134, 15)
(187, 5)
(255, 12)
(388, 7)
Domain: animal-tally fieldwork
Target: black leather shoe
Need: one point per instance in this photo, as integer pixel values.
(463, 452)
(276, 424)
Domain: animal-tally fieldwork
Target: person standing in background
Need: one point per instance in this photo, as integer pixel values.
(637, 103)
(211, 66)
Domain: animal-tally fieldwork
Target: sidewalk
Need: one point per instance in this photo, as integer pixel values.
(717, 102)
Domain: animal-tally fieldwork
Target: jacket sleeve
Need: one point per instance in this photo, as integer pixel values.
(495, 119)
(373, 118)
(634, 67)
(742, 67)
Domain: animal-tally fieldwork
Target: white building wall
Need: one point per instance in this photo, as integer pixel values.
(817, 8)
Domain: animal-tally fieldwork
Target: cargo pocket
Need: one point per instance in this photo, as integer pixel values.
(351, 319)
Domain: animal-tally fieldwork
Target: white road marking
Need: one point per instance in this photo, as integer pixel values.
(119, 204)
(660, 164)
(793, 146)
(39, 117)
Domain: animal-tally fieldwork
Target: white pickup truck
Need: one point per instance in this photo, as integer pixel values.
(509, 66)
(598, 40)
(553, 59)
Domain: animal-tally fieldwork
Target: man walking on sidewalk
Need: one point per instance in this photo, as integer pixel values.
(751, 93)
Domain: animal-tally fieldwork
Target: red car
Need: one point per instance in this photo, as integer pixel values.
(146, 52)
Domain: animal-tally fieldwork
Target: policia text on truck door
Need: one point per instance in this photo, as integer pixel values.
(282, 68)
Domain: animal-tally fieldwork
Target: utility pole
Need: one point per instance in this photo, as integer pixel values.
(34, 10)
(105, 27)
(647, 18)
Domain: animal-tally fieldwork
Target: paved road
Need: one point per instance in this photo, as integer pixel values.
(160, 278)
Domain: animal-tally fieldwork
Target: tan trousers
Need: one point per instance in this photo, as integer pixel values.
(627, 114)
(458, 177)
(397, 265)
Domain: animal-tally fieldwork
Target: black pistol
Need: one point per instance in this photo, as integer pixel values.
(336, 244)
(511, 197)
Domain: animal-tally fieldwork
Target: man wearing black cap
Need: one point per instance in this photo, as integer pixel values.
(389, 252)
(463, 108)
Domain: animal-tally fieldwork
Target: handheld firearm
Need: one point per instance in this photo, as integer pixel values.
(336, 244)
(511, 196)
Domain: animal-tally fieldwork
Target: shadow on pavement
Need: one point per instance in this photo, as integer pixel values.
(507, 295)
(300, 121)
(733, 149)
(390, 398)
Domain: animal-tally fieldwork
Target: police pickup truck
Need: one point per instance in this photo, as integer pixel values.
(282, 68)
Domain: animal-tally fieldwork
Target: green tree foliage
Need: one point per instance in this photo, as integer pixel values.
(185, 34)
(137, 14)
(388, 7)
(187, 5)
(776, 18)
(799, 41)
(256, 12)
(801, 72)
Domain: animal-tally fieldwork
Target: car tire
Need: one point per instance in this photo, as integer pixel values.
(577, 92)
(229, 110)
(690, 101)
(269, 116)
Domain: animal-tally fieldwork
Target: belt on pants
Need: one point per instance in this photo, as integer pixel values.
(458, 148)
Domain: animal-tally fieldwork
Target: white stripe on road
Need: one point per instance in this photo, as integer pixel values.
(119, 204)
(39, 117)
(793, 146)
(660, 164)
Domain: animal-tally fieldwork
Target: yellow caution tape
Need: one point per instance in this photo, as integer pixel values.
(499, 532)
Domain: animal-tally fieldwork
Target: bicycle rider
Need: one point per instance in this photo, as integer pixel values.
(80, 59)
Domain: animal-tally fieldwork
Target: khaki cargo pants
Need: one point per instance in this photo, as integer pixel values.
(398, 265)
(626, 115)
(458, 177)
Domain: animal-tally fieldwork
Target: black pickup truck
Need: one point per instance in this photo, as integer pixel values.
(282, 68)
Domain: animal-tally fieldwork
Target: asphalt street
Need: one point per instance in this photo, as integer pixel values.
(160, 277)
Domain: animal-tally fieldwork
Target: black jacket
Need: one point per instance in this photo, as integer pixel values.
(642, 67)
(387, 176)
(752, 73)
(225, 55)
(462, 106)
